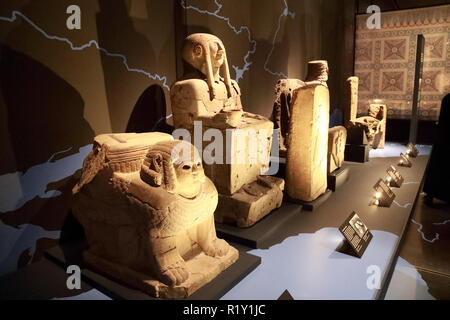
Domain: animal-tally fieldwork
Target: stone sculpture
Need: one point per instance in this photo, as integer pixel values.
(306, 164)
(282, 107)
(337, 137)
(373, 125)
(351, 111)
(317, 74)
(147, 211)
(208, 95)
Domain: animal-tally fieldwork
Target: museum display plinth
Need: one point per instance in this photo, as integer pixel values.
(314, 241)
(310, 205)
(256, 236)
(70, 254)
(154, 287)
(357, 148)
(253, 202)
(357, 153)
(338, 177)
(306, 163)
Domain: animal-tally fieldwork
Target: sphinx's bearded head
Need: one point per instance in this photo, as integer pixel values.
(206, 53)
(175, 166)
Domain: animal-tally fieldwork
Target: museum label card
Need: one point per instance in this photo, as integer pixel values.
(405, 161)
(395, 179)
(412, 150)
(356, 234)
(383, 194)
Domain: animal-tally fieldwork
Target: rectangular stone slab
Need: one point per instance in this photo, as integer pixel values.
(306, 167)
(239, 169)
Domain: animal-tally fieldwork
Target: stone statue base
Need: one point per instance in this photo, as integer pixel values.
(251, 203)
(357, 147)
(338, 177)
(202, 270)
(357, 153)
(246, 153)
(311, 205)
(147, 210)
(260, 235)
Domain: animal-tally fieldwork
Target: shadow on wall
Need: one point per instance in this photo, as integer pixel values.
(44, 112)
(149, 113)
(117, 33)
(46, 134)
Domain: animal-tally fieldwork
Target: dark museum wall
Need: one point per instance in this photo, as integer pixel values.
(391, 5)
(59, 87)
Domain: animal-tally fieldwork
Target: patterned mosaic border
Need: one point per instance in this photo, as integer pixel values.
(385, 61)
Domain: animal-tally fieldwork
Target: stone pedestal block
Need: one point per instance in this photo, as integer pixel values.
(306, 167)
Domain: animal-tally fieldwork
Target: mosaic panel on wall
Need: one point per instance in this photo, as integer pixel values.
(385, 61)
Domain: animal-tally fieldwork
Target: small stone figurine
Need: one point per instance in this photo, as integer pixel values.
(148, 214)
(373, 125)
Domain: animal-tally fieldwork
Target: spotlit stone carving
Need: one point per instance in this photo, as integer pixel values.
(148, 214)
(208, 94)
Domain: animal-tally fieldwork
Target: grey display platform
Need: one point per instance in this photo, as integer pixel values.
(71, 255)
(303, 257)
(306, 258)
(257, 235)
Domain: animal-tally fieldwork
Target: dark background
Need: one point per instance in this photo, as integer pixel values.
(54, 99)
